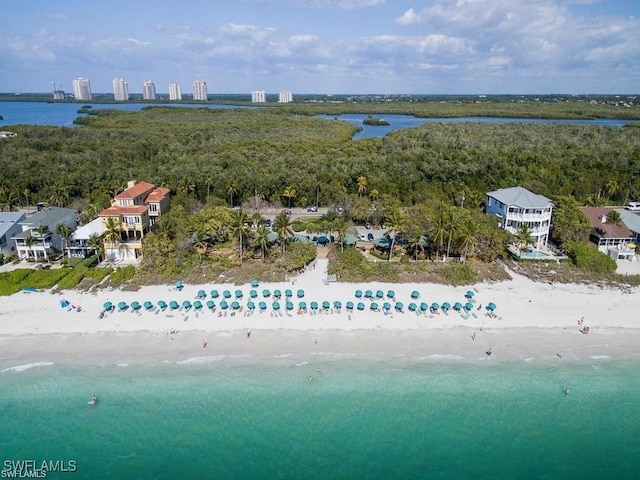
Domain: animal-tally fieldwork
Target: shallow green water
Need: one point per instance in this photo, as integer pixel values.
(236, 418)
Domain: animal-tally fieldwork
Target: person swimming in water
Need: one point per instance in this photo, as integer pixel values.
(93, 400)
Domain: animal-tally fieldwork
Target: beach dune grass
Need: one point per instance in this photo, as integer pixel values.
(16, 280)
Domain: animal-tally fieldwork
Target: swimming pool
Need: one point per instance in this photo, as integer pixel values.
(536, 255)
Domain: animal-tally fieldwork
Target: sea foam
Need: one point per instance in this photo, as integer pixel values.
(21, 368)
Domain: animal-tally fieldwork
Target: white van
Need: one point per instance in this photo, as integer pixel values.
(633, 206)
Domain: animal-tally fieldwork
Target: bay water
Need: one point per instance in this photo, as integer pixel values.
(326, 417)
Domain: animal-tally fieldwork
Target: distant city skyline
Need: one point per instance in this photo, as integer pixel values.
(326, 46)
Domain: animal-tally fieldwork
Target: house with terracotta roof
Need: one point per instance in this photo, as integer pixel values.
(609, 237)
(136, 210)
(517, 206)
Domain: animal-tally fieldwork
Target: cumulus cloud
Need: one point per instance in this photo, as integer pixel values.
(410, 17)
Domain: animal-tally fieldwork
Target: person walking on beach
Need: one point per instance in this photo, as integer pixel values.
(489, 352)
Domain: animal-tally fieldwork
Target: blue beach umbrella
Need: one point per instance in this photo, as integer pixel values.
(197, 305)
(64, 303)
(391, 294)
(302, 305)
(288, 293)
(289, 305)
(446, 306)
(415, 294)
(148, 305)
(457, 306)
(491, 306)
(214, 294)
(379, 294)
(107, 306)
(468, 306)
(266, 293)
(413, 307)
(186, 304)
(211, 304)
(235, 305)
(349, 305)
(360, 306)
(326, 305)
(122, 306)
(135, 306)
(424, 306)
(226, 294)
(277, 293)
(435, 306)
(275, 306)
(262, 306)
(300, 293)
(337, 304)
(224, 305)
(251, 305)
(173, 305)
(469, 294)
(253, 294)
(162, 304)
(238, 293)
(179, 285)
(368, 294)
(314, 305)
(386, 306)
(358, 293)
(399, 306)
(255, 283)
(201, 294)
(373, 306)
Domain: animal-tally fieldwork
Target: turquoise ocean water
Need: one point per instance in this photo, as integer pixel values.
(357, 418)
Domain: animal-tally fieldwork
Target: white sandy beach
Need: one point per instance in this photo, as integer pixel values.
(533, 320)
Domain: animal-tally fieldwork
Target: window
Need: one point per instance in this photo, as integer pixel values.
(153, 207)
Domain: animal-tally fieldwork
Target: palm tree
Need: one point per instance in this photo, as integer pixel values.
(111, 231)
(439, 230)
(612, 188)
(289, 193)
(452, 221)
(42, 233)
(469, 236)
(262, 239)
(374, 194)
(282, 225)
(95, 242)
(231, 191)
(199, 242)
(395, 225)
(340, 225)
(208, 182)
(10, 201)
(65, 233)
(523, 236)
(239, 228)
(29, 241)
(614, 219)
(417, 243)
(362, 184)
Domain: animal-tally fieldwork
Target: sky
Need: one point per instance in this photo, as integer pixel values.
(325, 46)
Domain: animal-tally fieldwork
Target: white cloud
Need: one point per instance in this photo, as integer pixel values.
(410, 17)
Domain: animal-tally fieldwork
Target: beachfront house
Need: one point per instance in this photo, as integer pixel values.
(616, 240)
(517, 206)
(80, 242)
(38, 238)
(135, 211)
(9, 226)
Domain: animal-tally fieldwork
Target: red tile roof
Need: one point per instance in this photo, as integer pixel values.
(116, 211)
(605, 230)
(138, 189)
(158, 194)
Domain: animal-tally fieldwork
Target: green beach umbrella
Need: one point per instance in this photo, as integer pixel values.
(235, 305)
(326, 305)
(491, 306)
(373, 306)
(211, 304)
(262, 306)
(255, 283)
(457, 306)
(122, 306)
(173, 305)
(275, 306)
(391, 294)
(253, 294)
(300, 293)
(107, 306)
(201, 294)
(266, 293)
(368, 294)
(288, 293)
(186, 304)
(337, 304)
(226, 294)
(415, 294)
(214, 294)
(469, 294)
(135, 306)
(379, 294)
(314, 305)
(413, 307)
(148, 305)
(302, 305)
(238, 293)
(386, 306)
(251, 305)
(162, 304)
(424, 307)
(399, 306)
(289, 305)
(360, 306)
(349, 305)
(197, 305)
(446, 306)
(468, 306)
(224, 305)
(358, 293)
(277, 293)
(435, 306)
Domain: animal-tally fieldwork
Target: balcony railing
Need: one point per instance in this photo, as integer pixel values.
(528, 217)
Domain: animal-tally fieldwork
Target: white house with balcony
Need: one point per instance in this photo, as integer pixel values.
(38, 239)
(517, 206)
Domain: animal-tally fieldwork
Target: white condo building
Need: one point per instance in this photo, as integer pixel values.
(82, 89)
(120, 90)
(200, 90)
(174, 92)
(285, 97)
(148, 90)
(259, 96)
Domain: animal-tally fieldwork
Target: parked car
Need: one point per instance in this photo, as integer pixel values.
(633, 206)
(370, 237)
(267, 222)
(312, 209)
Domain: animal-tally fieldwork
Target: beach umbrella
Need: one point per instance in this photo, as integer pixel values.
(326, 305)
(135, 306)
(64, 303)
(349, 305)
(253, 294)
(255, 283)
(251, 305)
(322, 240)
(148, 305)
(266, 293)
(424, 306)
(368, 294)
(277, 293)
(457, 306)
(235, 305)
(289, 305)
(238, 293)
(358, 293)
(399, 306)
(201, 294)
(226, 294)
(173, 305)
(121, 306)
(379, 294)
(374, 306)
(186, 304)
(179, 285)
(391, 294)
(214, 294)
(386, 306)
(337, 304)
(162, 304)
(300, 293)
(491, 306)
(302, 305)
(224, 305)
(468, 306)
(314, 305)
(288, 293)
(275, 306)
(415, 294)
(446, 306)
(197, 305)
(360, 306)
(469, 294)
(435, 306)
(413, 307)
(262, 306)
(106, 305)
(211, 304)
